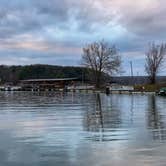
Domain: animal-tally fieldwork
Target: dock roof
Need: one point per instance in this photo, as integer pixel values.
(53, 79)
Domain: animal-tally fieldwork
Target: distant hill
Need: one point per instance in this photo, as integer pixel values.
(15, 73)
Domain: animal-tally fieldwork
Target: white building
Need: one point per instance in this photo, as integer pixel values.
(117, 87)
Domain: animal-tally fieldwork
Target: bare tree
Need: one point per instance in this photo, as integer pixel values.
(101, 58)
(154, 60)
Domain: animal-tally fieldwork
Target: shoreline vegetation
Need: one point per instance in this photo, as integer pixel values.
(149, 87)
(11, 75)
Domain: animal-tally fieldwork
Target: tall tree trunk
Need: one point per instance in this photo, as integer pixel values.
(153, 78)
(98, 80)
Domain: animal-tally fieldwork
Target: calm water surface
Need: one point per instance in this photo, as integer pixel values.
(56, 129)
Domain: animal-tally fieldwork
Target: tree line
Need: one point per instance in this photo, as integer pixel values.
(14, 74)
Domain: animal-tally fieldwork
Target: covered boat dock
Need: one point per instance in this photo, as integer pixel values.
(47, 84)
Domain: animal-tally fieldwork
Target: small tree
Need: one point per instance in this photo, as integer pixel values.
(101, 58)
(154, 60)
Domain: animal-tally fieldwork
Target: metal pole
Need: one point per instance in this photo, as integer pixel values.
(131, 67)
(82, 76)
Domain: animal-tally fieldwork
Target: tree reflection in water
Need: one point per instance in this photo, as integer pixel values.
(103, 118)
(94, 119)
(155, 119)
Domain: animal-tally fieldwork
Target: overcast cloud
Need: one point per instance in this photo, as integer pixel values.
(53, 31)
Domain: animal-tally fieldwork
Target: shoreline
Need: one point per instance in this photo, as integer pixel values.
(87, 91)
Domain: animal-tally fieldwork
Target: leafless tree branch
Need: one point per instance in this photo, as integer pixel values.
(154, 60)
(101, 57)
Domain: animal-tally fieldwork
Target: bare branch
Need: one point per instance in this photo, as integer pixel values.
(154, 60)
(101, 57)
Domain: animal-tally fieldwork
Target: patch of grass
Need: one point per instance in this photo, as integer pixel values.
(149, 87)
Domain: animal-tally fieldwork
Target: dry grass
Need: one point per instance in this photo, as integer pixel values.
(149, 87)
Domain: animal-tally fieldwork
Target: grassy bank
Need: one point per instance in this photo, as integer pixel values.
(149, 87)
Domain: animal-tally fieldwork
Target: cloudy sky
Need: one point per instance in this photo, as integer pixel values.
(54, 31)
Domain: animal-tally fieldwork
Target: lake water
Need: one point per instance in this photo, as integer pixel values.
(79, 129)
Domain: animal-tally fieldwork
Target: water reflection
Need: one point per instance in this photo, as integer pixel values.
(94, 120)
(70, 129)
(104, 119)
(156, 121)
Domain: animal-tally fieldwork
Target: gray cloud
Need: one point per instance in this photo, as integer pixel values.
(144, 18)
(30, 15)
(33, 28)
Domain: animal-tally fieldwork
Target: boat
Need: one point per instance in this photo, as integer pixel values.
(162, 91)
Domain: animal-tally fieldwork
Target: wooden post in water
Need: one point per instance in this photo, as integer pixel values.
(107, 90)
